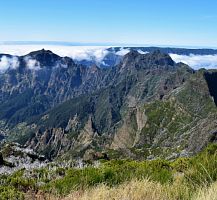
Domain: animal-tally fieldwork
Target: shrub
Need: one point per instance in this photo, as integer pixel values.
(181, 164)
(203, 167)
(8, 192)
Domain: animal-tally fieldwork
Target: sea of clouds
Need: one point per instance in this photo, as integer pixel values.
(197, 61)
(75, 52)
(96, 53)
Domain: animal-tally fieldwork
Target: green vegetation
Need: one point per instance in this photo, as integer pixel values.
(167, 116)
(15, 186)
(194, 173)
(111, 173)
(22, 107)
(7, 192)
(195, 96)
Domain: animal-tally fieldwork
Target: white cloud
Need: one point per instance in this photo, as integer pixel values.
(142, 52)
(197, 61)
(123, 52)
(6, 62)
(99, 54)
(32, 63)
(75, 52)
(94, 53)
(13, 63)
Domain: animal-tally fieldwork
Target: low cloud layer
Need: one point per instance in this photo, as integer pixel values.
(32, 63)
(6, 62)
(197, 61)
(123, 52)
(76, 52)
(13, 63)
(96, 53)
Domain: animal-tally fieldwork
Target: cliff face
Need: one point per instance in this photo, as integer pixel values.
(144, 107)
(40, 81)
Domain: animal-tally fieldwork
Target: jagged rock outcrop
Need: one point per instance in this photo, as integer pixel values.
(14, 156)
(1, 159)
(40, 81)
(146, 106)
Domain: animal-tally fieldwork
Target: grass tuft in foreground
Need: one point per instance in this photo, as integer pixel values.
(182, 179)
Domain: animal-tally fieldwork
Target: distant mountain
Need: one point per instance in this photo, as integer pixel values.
(168, 50)
(115, 54)
(52, 79)
(143, 106)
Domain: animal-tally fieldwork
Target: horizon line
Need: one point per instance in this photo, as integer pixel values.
(108, 44)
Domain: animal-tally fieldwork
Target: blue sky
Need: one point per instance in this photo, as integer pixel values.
(154, 22)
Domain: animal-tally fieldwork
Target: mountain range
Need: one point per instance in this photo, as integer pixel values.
(114, 55)
(141, 106)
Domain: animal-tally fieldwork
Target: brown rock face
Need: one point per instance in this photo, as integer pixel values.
(145, 104)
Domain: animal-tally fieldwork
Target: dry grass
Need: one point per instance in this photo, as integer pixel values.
(133, 190)
(140, 190)
(209, 193)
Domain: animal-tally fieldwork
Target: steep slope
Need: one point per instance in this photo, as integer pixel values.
(185, 119)
(40, 81)
(146, 106)
(114, 55)
(122, 116)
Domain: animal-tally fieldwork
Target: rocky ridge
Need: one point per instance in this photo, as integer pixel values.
(147, 106)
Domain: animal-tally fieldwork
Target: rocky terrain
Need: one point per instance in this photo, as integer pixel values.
(14, 157)
(145, 106)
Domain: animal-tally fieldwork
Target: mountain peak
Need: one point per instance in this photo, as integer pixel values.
(41, 52)
(44, 57)
(132, 54)
(149, 60)
(131, 58)
(159, 58)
